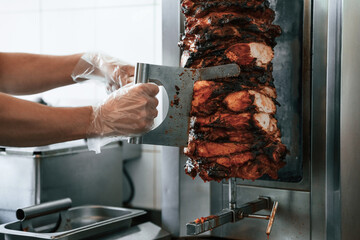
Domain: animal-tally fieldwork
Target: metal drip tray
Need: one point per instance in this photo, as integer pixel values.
(81, 222)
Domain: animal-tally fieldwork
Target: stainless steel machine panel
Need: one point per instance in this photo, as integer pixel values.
(291, 71)
(292, 82)
(291, 85)
(350, 119)
(80, 223)
(34, 175)
(291, 220)
(323, 204)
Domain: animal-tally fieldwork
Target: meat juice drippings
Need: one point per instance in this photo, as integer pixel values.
(233, 129)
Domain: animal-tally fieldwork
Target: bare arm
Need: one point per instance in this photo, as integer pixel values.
(22, 73)
(24, 123)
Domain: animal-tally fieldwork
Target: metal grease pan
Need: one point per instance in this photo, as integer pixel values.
(83, 221)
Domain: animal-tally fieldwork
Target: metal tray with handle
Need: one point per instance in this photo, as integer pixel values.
(56, 220)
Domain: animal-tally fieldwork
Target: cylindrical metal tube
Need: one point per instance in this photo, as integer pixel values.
(141, 76)
(232, 193)
(141, 73)
(272, 217)
(135, 140)
(43, 209)
(257, 216)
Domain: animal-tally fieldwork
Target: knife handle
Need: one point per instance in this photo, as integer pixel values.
(135, 140)
(141, 75)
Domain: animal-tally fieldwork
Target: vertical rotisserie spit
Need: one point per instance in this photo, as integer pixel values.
(233, 130)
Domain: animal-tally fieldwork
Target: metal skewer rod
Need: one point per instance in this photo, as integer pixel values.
(257, 216)
(232, 193)
(272, 217)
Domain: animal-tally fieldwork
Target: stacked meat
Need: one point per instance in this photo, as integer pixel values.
(233, 131)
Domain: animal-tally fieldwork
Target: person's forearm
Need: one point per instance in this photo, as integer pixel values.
(24, 123)
(22, 73)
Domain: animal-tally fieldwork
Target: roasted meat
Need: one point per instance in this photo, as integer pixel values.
(233, 129)
(250, 23)
(199, 8)
(210, 97)
(245, 100)
(250, 53)
(257, 121)
(232, 135)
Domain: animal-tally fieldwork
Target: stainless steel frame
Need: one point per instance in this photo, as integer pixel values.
(293, 220)
(82, 222)
(321, 206)
(41, 174)
(177, 189)
(349, 151)
(325, 171)
(305, 82)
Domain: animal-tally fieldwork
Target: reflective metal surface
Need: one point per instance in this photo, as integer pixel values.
(232, 193)
(34, 175)
(144, 231)
(318, 121)
(350, 121)
(221, 218)
(183, 199)
(325, 174)
(292, 81)
(291, 222)
(231, 215)
(313, 207)
(82, 222)
(179, 189)
(178, 83)
(292, 61)
(43, 209)
(333, 202)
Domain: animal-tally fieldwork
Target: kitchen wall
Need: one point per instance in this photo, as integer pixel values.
(129, 30)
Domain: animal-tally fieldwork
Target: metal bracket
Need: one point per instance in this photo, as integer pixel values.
(247, 210)
(272, 218)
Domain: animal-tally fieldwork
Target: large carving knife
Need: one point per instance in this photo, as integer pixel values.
(178, 83)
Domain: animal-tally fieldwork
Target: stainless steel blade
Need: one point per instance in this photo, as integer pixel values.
(178, 83)
(222, 71)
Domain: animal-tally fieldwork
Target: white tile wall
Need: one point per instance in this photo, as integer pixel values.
(20, 32)
(158, 34)
(121, 3)
(66, 4)
(129, 30)
(67, 32)
(19, 5)
(127, 36)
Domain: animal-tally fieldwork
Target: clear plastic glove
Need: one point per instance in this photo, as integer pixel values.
(111, 71)
(127, 112)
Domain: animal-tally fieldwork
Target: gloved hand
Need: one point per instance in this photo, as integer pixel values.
(114, 73)
(129, 111)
